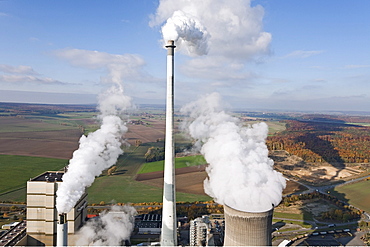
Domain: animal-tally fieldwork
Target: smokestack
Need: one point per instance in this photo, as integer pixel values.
(62, 230)
(247, 228)
(169, 231)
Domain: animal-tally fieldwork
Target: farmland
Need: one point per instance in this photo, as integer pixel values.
(356, 194)
(17, 170)
(180, 162)
(36, 138)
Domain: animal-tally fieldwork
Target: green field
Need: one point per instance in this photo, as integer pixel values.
(179, 163)
(26, 125)
(304, 216)
(357, 194)
(17, 170)
(125, 189)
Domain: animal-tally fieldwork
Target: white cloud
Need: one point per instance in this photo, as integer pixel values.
(235, 30)
(319, 80)
(356, 66)
(119, 67)
(30, 79)
(302, 54)
(21, 69)
(25, 74)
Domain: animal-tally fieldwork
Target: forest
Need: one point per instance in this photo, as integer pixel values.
(324, 140)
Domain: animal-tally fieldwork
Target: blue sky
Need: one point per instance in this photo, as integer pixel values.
(264, 54)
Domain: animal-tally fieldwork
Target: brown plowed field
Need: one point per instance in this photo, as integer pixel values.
(22, 136)
(151, 133)
(188, 179)
(51, 144)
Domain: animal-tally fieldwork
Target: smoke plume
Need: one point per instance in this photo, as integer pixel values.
(240, 174)
(97, 151)
(110, 229)
(233, 28)
(186, 31)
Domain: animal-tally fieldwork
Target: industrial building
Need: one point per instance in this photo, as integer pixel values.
(42, 215)
(148, 224)
(200, 231)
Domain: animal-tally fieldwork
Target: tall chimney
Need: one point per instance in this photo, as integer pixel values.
(62, 230)
(247, 228)
(169, 230)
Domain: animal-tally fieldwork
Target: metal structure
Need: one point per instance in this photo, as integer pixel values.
(169, 230)
(62, 230)
(247, 228)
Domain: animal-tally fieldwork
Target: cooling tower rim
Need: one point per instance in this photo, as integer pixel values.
(249, 212)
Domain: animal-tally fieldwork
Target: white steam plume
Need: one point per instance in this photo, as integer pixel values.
(186, 31)
(240, 174)
(111, 229)
(234, 28)
(97, 151)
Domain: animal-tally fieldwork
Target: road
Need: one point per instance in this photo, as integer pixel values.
(324, 190)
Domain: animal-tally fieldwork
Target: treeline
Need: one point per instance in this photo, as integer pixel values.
(324, 141)
(157, 153)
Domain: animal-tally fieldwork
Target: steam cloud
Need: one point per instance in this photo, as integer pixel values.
(97, 151)
(186, 31)
(240, 174)
(111, 229)
(230, 24)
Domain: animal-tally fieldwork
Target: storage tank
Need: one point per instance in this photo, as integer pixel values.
(247, 228)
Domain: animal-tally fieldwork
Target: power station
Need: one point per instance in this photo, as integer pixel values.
(45, 226)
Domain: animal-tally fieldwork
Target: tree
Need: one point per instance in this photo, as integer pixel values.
(111, 170)
(138, 143)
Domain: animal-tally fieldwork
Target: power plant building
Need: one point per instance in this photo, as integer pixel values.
(247, 228)
(42, 215)
(200, 232)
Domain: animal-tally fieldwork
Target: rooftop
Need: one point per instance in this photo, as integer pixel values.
(49, 177)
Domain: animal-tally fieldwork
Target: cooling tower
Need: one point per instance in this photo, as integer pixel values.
(62, 230)
(247, 228)
(169, 230)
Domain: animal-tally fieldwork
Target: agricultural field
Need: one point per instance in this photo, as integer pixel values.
(179, 163)
(357, 194)
(30, 137)
(44, 132)
(125, 189)
(17, 170)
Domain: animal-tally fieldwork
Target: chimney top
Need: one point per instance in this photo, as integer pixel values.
(170, 44)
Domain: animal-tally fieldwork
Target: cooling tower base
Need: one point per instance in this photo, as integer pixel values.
(247, 228)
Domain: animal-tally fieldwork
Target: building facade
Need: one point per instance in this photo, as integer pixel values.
(42, 215)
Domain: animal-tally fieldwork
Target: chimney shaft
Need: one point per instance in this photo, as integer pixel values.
(62, 230)
(169, 231)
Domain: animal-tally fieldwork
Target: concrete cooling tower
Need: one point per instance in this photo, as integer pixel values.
(247, 228)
